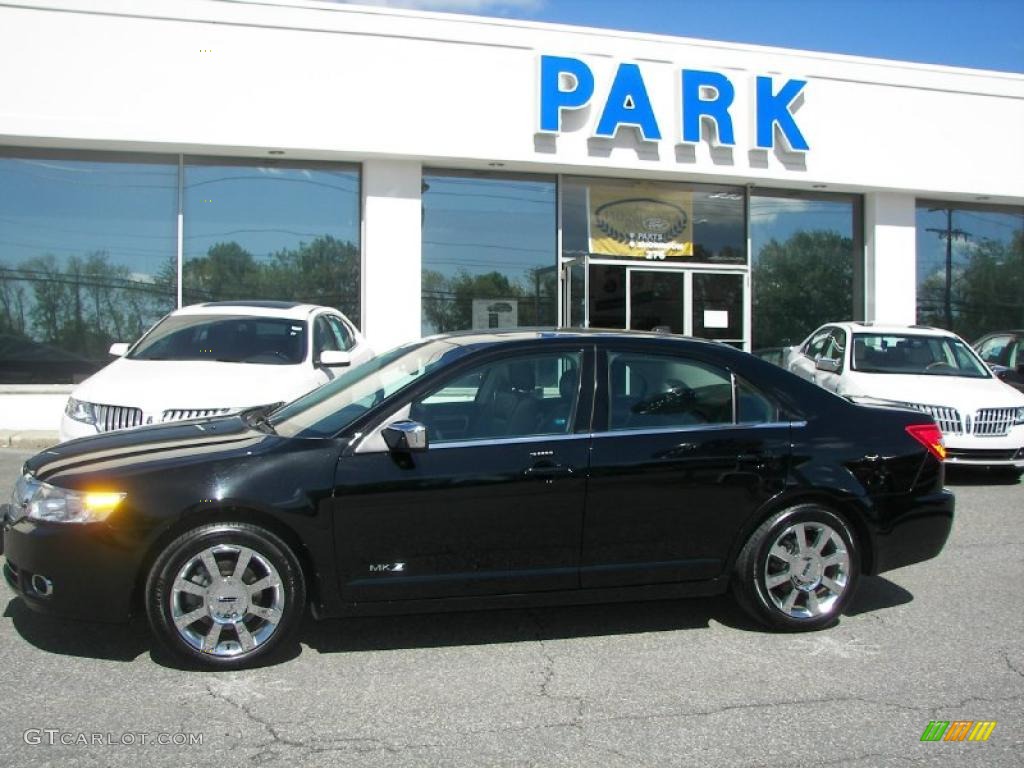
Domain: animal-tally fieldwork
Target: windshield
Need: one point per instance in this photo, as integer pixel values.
(915, 355)
(324, 412)
(226, 339)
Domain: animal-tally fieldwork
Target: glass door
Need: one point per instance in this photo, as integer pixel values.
(704, 304)
(657, 301)
(719, 307)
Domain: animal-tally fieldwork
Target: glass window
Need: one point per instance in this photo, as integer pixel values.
(805, 267)
(272, 231)
(753, 407)
(87, 258)
(654, 391)
(970, 267)
(226, 339)
(489, 243)
(345, 338)
(995, 350)
(653, 221)
(915, 354)
(518, 397)
(835, 346)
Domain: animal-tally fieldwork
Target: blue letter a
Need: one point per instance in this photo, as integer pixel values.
(628, 104)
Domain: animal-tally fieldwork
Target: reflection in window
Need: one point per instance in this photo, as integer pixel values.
(287, 232)
(87, 258)
(805, 271)
(488, 252)
(653, 221)
(654, 391)
(970, 267)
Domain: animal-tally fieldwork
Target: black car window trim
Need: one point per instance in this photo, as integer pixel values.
(388, 410)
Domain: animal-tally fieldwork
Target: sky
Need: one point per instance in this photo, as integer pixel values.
(981, 34)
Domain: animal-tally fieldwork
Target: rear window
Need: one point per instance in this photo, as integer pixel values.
(915, 355)
(226, 339)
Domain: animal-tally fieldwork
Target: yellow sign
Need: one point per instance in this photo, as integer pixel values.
(643, 221)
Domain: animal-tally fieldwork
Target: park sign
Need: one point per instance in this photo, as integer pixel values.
(702, 97)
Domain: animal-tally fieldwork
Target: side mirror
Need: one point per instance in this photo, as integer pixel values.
(405, 436)
(119, 349)
(828, 365)
(334, 358)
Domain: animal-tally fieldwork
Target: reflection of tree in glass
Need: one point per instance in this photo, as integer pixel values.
(83, 304)
(987, 293)
(800, 284)
(448, 301)
(80, 304)
(324, 271)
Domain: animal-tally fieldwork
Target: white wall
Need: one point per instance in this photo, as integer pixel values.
(392, 212)
(327, 80)
(890, 239)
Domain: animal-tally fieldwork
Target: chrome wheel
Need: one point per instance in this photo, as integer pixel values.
(807, 570)
(227, 600)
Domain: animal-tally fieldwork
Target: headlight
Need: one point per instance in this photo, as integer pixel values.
(1019, 417)
(79, 410)
(41, 501)
(865, 400)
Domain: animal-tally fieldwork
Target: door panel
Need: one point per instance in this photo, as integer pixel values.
(495, 503)
(656, 300)
(678, 471)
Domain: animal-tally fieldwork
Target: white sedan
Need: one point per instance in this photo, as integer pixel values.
(215, 359)
(929, 369)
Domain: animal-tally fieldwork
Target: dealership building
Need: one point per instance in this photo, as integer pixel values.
(434, 172)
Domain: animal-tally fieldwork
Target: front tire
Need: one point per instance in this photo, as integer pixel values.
(798, 570)
(225, 595)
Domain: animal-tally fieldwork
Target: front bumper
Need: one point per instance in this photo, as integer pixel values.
(914, 531)
(69, 570)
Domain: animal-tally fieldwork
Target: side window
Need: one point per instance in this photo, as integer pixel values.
(653, 391)
(1017, 354)
(753, 407)
(341, 332)
(992, 351)
(834, 347)
(324, 338)
(817, 344)
(519, 397)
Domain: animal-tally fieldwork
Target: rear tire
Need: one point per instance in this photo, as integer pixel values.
(225, 595)
(798, 570)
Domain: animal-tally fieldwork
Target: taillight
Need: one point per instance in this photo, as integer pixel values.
(930, 436)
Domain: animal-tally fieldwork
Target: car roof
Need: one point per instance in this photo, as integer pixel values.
(501, 336)
(285, 309)
(893, 328)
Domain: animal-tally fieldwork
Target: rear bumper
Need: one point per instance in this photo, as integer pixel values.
(918, 531)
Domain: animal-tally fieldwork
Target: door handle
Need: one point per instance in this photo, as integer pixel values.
(548, 472)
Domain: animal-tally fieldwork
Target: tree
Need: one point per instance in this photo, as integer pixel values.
(987, 292)
(448, 301)
(800, 284)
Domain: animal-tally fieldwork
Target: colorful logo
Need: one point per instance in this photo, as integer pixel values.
(958, 730)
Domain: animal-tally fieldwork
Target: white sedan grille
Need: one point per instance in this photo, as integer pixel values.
(987, 422)
(947, 418)
(114, 417)
(994, 422)
(180, 414)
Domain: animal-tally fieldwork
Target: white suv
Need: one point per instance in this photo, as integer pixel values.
(215, 359)
(931, 370)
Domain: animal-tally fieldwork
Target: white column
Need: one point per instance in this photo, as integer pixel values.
(392, 221)
(890, 238)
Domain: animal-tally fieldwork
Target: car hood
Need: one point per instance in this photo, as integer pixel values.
(956, 391)
(157, 385)
(116, 452)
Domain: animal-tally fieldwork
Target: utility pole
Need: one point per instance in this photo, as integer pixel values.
(948, 234)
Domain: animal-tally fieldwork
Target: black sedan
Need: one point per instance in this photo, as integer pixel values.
(484, 470)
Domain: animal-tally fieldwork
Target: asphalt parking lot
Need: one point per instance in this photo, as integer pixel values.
(665, 683)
